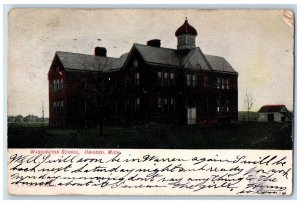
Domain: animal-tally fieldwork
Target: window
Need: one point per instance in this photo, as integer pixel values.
(166, 81)
(137, 78)
(135, 63)
(223, 83)
(188, 80)
(191, 80)
(57, 85)
(172, 104)
(61, 84)
(61, 106)
(194, 80)
(227, 105)
(137, 104)
(165, 106)
(54, 85)
(159, 103)
(159, 74)
(227, 84)
(58, 107)
(218, 106)
(219, 83)
(171, 101)
(172, 81)
(54, 107)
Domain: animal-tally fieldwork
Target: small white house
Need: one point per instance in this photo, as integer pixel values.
(277, 113)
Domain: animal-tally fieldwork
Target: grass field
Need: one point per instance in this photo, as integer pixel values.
(245, 135)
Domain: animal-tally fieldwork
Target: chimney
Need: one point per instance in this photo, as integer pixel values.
(153, 43)
(100, 51)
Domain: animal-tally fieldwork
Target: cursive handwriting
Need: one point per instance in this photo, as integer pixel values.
(241, 174)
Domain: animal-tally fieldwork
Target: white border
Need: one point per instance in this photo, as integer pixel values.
(121, 4)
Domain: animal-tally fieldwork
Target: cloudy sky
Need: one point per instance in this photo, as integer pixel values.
(257, 43)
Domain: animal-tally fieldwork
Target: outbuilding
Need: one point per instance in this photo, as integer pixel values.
(277, 113)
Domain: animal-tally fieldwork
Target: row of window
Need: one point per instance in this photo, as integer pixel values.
(222, 106)
(127, 81)
(222, 109)
(166, 104)
(163, 104)
(57, 85)
(223, 83)
(166, 78)
(58, 107)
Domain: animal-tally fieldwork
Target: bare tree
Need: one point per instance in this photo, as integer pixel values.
(101, 79)
(248, 102)
(102, 64)
(43, 120)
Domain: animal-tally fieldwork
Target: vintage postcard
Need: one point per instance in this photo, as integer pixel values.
(150, 102)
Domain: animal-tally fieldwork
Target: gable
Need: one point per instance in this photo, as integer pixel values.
(55, 64)
(196, 60)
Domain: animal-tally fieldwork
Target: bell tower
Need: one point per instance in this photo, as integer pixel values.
(186, 35)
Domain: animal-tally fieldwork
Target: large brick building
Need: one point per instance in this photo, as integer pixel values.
(150, 84)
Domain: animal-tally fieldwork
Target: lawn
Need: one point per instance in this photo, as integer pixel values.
(245, 135)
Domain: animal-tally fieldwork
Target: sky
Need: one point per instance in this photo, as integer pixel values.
(259, 44)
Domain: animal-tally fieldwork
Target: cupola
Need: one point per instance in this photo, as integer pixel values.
(186, 35)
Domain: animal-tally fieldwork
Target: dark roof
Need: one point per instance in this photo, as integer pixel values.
(186, 28)
(273, 108)
(219, 63)
(194, 59)
(158, 55)
(76, 61)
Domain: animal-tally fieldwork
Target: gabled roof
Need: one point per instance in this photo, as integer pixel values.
(194, 59)
(76, 61)
(219, 63)
(273, 108)
(158, 55)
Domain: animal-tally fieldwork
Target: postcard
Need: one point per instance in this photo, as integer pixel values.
(150, 102)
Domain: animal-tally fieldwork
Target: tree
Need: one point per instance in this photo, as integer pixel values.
(102, 64)
(248, 102)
